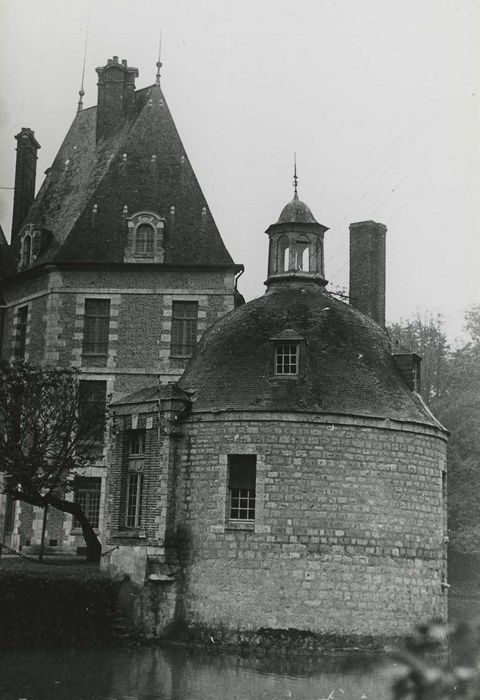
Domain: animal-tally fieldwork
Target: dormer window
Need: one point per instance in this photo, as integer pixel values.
(288, 354)
(145, 238)
(32, 241)
(286, 358)
(26, 250)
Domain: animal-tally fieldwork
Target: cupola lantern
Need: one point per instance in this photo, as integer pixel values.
(296, 245)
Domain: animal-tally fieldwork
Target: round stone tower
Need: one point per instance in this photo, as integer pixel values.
(311, 476)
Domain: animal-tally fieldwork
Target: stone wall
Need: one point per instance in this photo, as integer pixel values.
(348, 533)
(141, 300)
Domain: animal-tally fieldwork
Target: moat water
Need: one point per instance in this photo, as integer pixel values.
(154, 673)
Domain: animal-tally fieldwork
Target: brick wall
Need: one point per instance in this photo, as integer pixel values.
(348, 534)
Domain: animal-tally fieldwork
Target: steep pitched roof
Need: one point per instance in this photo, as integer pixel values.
(86, 173)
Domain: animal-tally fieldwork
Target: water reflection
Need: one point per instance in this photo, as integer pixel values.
(153, 673)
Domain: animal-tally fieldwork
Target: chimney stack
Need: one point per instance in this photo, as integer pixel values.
(25, 175)
(116, 89)
(367, 269)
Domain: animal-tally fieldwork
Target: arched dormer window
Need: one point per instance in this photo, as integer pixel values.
(144, 240)
(283, 254)
(26, 250)
(301, 254)
(35, 246)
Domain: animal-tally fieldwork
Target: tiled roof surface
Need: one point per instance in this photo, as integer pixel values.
(296, 212)
(85, 174)
(347, 367)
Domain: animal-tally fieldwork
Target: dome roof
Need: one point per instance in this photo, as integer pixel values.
(296, 212)
(346, 367)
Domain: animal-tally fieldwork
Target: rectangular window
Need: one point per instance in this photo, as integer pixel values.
(286, 358)
(184, 327)
(87, 494)
(9, 515)
(242, 474)
(134, 499)
(21, 339)
(96, 325)
(93, 399)
(136, 443)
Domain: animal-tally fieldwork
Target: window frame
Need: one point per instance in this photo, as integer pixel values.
(280, 345)
(238, 492)
(96, 327)
(87, 406)
(135, 478)
(137, 512)
(147, 249)
(180, 328)
(80, 486)
(26, 256)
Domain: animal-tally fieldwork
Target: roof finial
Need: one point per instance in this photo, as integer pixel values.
(159, 62)
(295, 178)
(81, 92)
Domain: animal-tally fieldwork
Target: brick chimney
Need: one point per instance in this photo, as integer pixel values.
(367, 269)
(116, 88)
(25, 175)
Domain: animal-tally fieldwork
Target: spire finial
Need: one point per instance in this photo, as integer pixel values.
(295, 178)
(81, 92)
(159, 62)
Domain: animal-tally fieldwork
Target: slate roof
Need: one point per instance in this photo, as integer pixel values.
(347, 366)
(296, 212)
(85, 173)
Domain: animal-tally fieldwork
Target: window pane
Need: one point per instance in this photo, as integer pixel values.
(184, 327)
(96, 326)
(92, 395)
(134, 499)
(87, 495)
(242, 472)
(286, 359)
(144, 240)
(136, 442)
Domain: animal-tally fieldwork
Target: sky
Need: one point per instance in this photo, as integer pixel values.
(378, 98)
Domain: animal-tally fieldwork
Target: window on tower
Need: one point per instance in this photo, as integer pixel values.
(95, 328)
(184, 328)
(242, 475)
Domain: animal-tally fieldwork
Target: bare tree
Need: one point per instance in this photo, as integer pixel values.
(46, 435)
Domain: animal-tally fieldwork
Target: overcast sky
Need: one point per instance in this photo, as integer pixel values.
(379, 99)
